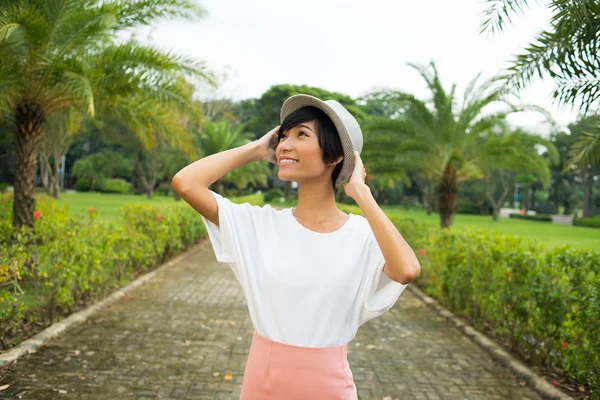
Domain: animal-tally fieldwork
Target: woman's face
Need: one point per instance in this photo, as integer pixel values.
(301, 143)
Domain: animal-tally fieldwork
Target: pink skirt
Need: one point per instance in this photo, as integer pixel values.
(277, 371)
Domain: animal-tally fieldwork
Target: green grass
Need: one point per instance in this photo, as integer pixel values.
(552, 235)
(108, 206)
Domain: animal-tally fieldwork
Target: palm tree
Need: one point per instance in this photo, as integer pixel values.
(587, 149)
(56, 54)
(219, 136)
(568, 52)
(443, 141)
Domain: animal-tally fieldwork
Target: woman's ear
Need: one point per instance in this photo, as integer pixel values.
(339, 160)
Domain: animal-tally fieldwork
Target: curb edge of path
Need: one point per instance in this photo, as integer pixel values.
(535, 381)
(57, 328)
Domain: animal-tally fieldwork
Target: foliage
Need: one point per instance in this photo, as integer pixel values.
(99, 166)
(116, 185)
(273, 195)
(543, 301)
(219, 136)
(69, 260)
(58, 54)
(568, 51)
(266, 109)
(592, 222)
(450, 143)
(536, 217)
(586, 150)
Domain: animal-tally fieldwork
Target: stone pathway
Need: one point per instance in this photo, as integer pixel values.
(186, 335)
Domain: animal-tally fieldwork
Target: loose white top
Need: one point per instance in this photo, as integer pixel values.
(303, 288)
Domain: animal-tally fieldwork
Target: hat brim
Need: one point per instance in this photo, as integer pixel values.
(298, 101)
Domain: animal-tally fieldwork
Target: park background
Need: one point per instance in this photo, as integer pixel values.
(494, 184)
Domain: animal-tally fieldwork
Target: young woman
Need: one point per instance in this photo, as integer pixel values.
(311, 274)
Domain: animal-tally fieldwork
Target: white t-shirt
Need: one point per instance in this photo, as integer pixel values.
(303, 288)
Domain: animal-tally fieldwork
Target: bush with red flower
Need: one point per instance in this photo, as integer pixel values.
(68, 260)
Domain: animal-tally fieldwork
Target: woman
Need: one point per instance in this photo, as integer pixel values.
(312, 274)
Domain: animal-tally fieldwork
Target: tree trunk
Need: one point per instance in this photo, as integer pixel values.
(50, 176)
(567, 205)
(587, 192)
(448, 196)
(29, 122)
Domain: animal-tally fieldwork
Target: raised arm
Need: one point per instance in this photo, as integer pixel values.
(192, 182)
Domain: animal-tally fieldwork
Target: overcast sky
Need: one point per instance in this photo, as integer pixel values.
(353, 46)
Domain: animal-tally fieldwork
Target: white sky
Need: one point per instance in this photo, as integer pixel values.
(352, 46)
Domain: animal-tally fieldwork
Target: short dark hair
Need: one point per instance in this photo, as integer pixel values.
(329, 138)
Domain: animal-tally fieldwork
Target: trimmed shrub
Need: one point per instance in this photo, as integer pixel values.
(544, 302)
(591, 222)
(68, 261)
(537, 217)
(273, 194)
(115, 185)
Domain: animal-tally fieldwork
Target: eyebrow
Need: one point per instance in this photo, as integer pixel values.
(307, 127)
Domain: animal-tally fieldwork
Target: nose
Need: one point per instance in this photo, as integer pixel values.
(285, 145)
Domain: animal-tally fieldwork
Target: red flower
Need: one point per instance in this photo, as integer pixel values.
(555, 383)
(158, 217)
(422, 252)
(37, 214)
(565, 344)
(124, 298)
(509, 274)
(92, 209)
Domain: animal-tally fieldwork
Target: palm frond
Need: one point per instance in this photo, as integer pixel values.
(500, 12)
(586, 151)
(579, 89)
(133, 13)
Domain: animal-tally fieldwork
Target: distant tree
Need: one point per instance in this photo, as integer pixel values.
(449, 142)
(61, 128)
(99, 166)
(511, 156)
(57, 54)
(215, 137)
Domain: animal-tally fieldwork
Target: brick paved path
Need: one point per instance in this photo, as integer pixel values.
(171, 337)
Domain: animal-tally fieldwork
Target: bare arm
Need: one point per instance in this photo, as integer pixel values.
(401, 263)
(192, 182)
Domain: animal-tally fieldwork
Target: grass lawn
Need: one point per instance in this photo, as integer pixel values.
(548, 233)
(109, 205)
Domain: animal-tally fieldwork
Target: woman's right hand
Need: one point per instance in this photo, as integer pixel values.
(268, 144)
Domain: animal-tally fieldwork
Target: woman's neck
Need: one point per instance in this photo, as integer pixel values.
(316, 203)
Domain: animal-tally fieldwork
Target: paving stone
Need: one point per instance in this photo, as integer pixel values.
(169, 337)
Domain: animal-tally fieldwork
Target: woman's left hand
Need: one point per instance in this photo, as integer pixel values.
(356, 183)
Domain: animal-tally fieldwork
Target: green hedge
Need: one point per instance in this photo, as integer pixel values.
(592, 222)
(273, 195)
(115, 185)
(66, 261)
(545, 302)
(537, 217)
